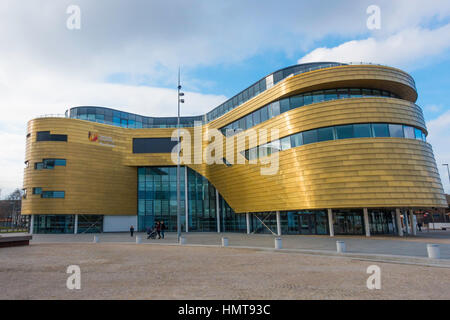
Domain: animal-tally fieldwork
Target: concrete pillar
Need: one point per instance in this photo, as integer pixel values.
(366, 222)
(75, 227)
(217, 211)
(31, 223)
(330, 222)
(398, 222)
(186, 200)
(412, 224)
(278, 223)
(247, 216)
(405, 221)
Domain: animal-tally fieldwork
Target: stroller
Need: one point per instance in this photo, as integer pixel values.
(151, 233)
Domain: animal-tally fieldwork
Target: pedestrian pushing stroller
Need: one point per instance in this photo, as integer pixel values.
(151, 233)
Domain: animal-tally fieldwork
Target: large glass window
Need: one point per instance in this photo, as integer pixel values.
(396, 130)
(325, 134)
(408, 132)
(362, 130)
(344, 132)
(309, 136)
(53, 224)
(332, 133)
(418, 134)
(286, 104)
(380, 130)
(53, 194)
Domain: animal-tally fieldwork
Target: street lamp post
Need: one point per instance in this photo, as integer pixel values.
(448, 170)
(180, 94)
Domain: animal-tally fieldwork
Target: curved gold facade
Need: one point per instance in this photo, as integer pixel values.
(349, 173)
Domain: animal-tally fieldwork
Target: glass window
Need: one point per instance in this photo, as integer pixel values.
(418, 134)
(275, 109)
(257, 117)
(286, 143)
(330, 95)
(307, 99)
(262, 85)
(355, 93)
(343, 93)
(325, 134)
(296, 140)
(252, 154)
(241, 123)
(264, 113)
(296, 101)
(344, 132)
(408, 132)
(424, 136)
(362, 130)
(249, 121)
(39, 166)
(376, 92)
(284, 105)
(37, 190)
(396, 130)
(380, 130)
(309, 136)
(366, 92)
(318, 96)
(49, 164)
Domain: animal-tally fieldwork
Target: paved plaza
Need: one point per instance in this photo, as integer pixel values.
(129, 271)
(375, 245)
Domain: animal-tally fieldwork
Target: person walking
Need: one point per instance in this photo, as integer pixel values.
(163, 228)
(131, 231)
(158, 229)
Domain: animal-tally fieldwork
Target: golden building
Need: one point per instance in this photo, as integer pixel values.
(317, 148)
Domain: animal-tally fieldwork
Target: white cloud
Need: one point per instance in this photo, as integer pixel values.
(404, 49)
(53, 95)
(439, 137)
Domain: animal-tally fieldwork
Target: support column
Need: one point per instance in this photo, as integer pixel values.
(186, 200)
(405, 221)
(217, 211)
(412, 224)
(366, 222)
(75, 226)
(330, 222)
(247, 216)
(398, 222)
(278, 223)
(31, 223)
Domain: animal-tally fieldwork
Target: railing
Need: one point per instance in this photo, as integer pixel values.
(56, 115)
(411, 80)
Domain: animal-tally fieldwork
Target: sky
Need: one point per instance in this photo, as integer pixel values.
(126, 54)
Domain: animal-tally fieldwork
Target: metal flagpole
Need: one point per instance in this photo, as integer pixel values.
(180, 94)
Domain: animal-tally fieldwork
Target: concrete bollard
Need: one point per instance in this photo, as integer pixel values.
(278, 244)
(138, 239)
(96, 239)
(224, 242)
(182, 240)
(433, 251)
(340, 246)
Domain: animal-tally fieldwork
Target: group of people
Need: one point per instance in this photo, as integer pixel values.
(157, 230)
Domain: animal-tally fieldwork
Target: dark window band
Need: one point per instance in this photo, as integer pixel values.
(46, 136)
(153, 145)
(350, 131)
(280, 106)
